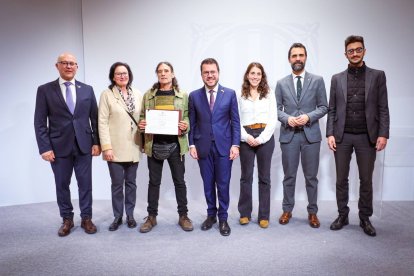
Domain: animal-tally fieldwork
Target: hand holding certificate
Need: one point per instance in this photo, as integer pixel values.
(162, 121)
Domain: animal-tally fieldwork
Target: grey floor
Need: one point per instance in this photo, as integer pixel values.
(30, 246)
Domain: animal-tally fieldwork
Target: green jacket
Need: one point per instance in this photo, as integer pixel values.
(180, 103)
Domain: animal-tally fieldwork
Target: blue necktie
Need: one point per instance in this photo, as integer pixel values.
(69, 99)
(298, 87)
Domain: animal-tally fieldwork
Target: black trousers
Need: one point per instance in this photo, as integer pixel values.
(176, 163)
(264, 154)
(365, 156)
(123, 173)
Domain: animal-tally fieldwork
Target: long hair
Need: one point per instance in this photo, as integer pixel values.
(156, 85)
(112, 74)
(263, 87)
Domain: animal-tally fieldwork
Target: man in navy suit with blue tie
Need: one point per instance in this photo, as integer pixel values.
(65, 122)
(214, 141)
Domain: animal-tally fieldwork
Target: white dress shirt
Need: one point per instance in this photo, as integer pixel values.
(258, 111)
(214, 93)
(71, 87)
(295, 80)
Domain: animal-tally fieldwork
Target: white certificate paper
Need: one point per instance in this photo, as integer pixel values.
(162, 121)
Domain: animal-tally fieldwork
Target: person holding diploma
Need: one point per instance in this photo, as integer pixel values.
(166, 95)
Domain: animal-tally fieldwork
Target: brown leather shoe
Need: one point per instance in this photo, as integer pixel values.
(285, 217)
(88, 226)
(313, 221)
(150, 222)
(64, 230)
(185, 223)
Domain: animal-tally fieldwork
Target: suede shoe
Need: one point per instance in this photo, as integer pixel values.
(208, 223)
(185, 223)
(224, 228)
(88, 226)
(368, 227)
(340, 222)
(64, 230)
(115, 224)
(147, 226)
(314, 221)
(264, 223)
(285, 217)
(244, 220)
(131, 222)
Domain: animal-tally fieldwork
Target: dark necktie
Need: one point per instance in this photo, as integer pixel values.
(298, 87)
(211, 100)
(69, 99)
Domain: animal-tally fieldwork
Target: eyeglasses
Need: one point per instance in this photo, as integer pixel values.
(357, 50)
(121, 74)
(68, 63)
(206, 73)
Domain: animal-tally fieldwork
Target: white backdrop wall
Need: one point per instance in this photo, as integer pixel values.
(143, 33)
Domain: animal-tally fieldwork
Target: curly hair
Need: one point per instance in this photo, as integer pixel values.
(263, 87)
(174, 80)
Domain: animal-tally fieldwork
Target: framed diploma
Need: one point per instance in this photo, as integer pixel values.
(162, 121)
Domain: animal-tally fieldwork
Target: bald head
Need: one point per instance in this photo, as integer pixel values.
(67, 66)
(66, 55)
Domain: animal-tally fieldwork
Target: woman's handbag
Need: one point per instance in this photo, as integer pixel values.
(163, 151)
(138, 137)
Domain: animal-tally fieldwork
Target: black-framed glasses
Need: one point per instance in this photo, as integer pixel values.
(68, 63)
(121, 74)
(357, 50)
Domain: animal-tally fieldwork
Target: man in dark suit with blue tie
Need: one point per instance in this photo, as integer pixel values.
(65, 122)
(214, 141)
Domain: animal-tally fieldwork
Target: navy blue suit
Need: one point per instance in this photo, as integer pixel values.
(213, 134)
(71, 137)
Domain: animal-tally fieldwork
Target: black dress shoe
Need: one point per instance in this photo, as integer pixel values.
(368, 228)
(115, 224)
(208, 223)
(131, 222)
(340, 222)
(224, 228)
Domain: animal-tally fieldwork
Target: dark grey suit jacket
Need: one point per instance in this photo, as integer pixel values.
(312, 102)
(376, 105)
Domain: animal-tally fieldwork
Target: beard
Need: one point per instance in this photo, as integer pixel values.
(356, 62)
(298, 66)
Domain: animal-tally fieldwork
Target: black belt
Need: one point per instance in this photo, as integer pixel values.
(298, 129)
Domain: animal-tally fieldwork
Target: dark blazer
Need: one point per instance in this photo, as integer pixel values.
(222, 125)
(56, 127)
(376, 105)
(312, 102)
